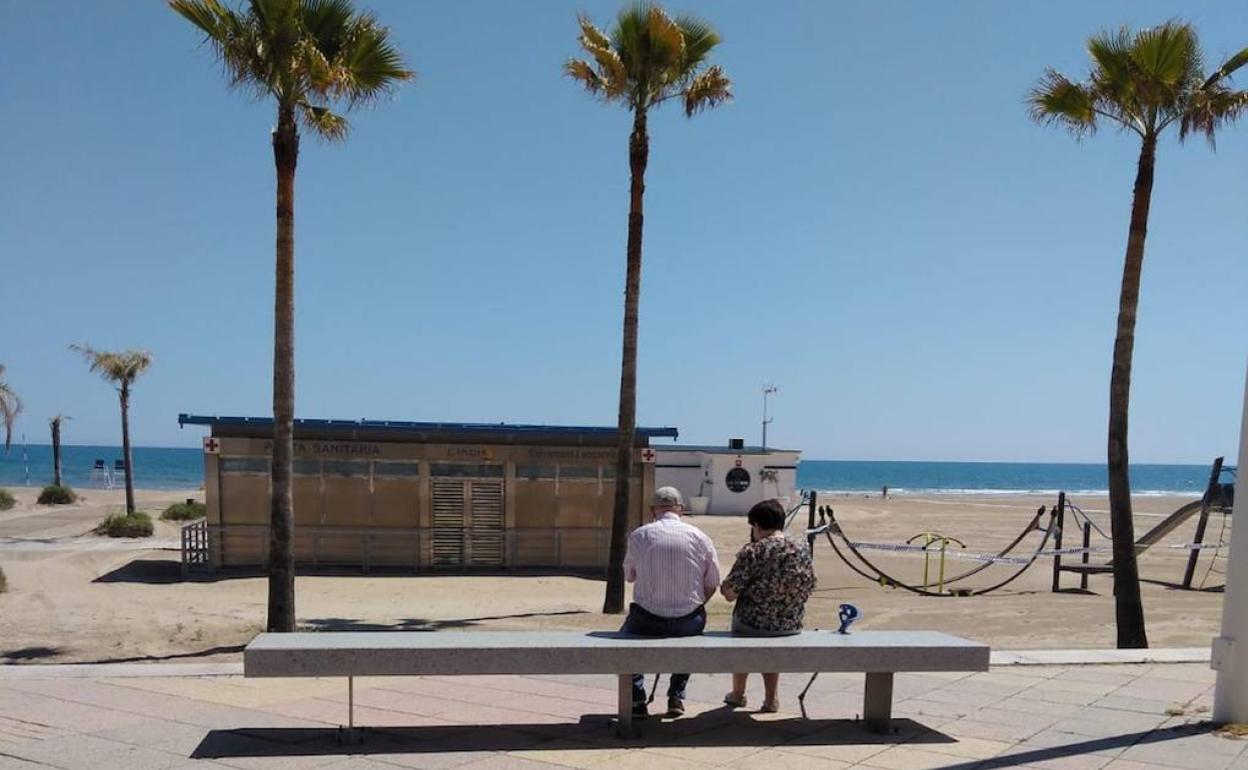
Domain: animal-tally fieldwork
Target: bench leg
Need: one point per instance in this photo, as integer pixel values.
(624, 722)
(877, 702)
(350, 734)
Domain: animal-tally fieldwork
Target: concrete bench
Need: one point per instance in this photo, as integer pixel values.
(878, 654)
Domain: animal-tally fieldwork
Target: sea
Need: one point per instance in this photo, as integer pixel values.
(180, 468)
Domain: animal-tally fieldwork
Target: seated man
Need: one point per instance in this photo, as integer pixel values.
(675, 571)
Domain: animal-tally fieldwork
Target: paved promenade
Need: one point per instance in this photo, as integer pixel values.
(1144, 716)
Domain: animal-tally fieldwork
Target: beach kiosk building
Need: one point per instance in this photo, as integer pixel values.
(421, 495)
(728, 479)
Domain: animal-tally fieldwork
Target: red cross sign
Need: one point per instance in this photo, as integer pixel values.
(211, 446)
(647, 455)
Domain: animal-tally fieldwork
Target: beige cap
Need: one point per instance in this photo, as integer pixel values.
(668, 496)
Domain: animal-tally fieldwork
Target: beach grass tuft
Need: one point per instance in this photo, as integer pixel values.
(137, 524)
(191, 509)
(4, 584)
(57, 494)
(7, 500)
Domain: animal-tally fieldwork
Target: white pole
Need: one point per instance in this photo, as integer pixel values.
(1230, 650)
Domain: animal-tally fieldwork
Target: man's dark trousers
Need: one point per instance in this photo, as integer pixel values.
(641, 622)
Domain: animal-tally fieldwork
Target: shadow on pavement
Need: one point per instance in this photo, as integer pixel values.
(420, 624)
(29, 653)
(719, 727)
(205, 653)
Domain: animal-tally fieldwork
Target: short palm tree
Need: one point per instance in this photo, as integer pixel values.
(647, 58)
(10, 408)
(308, 56)
(122, 368)
(1140, 82)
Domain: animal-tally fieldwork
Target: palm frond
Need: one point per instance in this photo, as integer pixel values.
(1210, 109)
(1167, 68)
(583, 72)
(10, 408)
(300, 51)
(1110, 77)
(590, 33)
(324, 122)
(700, 40)
(648, 57)
(666, 43)
(369, 65)
(115, 366)
(708, 90)
(1055, 100)
(1228, 68)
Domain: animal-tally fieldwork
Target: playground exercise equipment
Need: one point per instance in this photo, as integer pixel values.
(1218, 497)
(828, 526)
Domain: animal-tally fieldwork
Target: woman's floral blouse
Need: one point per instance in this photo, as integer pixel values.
(773, 578)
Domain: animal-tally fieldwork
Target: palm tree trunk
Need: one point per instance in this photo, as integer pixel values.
(56, 451)
(638, 156)
(281, 525)
(125, 443)
(1129, 609)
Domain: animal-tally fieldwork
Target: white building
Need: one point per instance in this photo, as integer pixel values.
(728, 479)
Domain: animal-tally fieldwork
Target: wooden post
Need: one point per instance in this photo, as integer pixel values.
(1087, 545)
(1057, 541)
(810, 539)
(1205, 502)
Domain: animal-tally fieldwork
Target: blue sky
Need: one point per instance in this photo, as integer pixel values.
(874, 224)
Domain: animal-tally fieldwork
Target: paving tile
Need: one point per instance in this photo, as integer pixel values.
(1061, 696)
(649, 759)
(924, 707)
(501, 762)
(161, 734)
(571, 753)
(778, 759)
(908, 758)
(1141, 705)
(1051, 741)
(968, 748)
(1131, 764)
(956, 697)
(991, 731)
(1028, 705)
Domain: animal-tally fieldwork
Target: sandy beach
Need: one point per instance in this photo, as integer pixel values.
(76, 597)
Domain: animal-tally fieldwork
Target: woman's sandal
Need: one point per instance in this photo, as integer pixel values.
(770, 707)
(737, 701)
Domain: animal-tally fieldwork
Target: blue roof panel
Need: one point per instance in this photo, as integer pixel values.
(403, 425)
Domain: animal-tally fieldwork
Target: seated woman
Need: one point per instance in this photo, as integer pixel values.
(770, 582)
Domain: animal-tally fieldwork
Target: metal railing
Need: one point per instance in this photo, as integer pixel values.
(196, 553)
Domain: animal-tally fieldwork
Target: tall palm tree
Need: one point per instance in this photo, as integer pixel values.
(310, 56)
(1140, 82)
(647, 58)
(55, 422)
(123, 368)
(10, 408)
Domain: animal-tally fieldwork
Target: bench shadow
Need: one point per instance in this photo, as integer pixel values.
(592, 731)
(300, 741)
(421, 624)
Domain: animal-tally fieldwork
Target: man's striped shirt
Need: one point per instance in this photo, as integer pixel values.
(673, 565)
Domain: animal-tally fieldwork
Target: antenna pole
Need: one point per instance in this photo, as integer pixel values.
(768, 389)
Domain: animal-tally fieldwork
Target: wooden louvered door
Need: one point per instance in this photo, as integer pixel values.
(449, 521)
(486, 525)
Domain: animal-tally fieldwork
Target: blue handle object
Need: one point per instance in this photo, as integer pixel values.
(848, 614)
